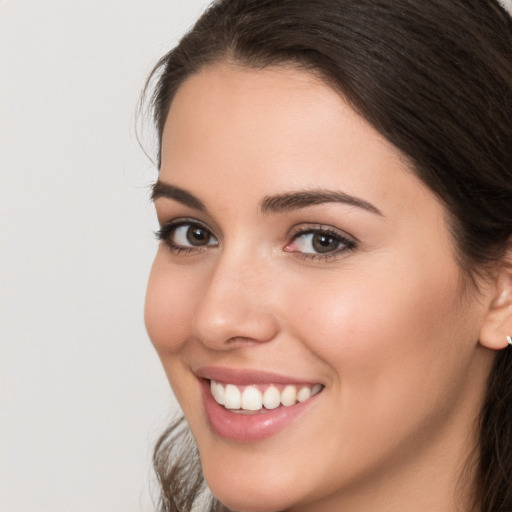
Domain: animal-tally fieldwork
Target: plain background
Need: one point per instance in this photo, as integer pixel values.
(82, 394)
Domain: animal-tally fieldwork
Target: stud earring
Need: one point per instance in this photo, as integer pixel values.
(509, 340)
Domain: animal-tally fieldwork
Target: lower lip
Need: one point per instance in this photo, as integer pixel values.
(249, 427)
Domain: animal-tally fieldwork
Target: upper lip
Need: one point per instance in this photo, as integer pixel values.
(246, 377)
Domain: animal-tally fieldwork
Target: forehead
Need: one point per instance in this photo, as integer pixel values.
(280, 97)
(281, 115)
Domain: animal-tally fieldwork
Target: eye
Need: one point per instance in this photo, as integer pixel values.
(319, 243)
(186, 236)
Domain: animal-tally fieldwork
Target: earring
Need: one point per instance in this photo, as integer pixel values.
(509, 340)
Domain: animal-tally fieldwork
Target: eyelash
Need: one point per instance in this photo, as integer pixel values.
(165, 233)
(347, 244)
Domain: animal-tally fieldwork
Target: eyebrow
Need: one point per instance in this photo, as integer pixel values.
(296, 200)
(161, 189)
(280, 203)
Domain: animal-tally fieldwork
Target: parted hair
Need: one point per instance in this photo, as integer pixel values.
(435, 78)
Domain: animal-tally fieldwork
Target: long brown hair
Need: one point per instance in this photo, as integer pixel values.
(435, 78)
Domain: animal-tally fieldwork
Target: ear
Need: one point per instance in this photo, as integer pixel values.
(496, 331)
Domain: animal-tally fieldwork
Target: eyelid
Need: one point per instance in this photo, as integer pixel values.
(180, 221)
(311, 227)
(349, 242)
(168, 213)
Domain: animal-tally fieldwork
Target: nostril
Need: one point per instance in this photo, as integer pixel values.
(242, 340)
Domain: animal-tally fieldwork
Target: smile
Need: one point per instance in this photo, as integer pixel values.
(261, 397)
(250, 405)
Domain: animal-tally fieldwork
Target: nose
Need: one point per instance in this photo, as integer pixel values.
(236, 306)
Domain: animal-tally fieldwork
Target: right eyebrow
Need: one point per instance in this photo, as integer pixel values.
(161, 189)
(302, 199)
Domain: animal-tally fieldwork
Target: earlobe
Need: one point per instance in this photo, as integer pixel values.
(496, 331)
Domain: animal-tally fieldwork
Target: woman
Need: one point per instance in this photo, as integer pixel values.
(332, 296)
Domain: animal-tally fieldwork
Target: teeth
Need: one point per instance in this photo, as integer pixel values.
(289, 396)
(303, 394)
(232, 397)
(217, 392)
(271, 398)
(252, 399)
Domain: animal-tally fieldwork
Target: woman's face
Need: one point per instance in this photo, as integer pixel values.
(300, 256)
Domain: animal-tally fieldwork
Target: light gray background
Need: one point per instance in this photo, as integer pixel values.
(82, 395)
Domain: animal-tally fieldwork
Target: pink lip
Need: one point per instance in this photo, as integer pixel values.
(248, 427)
(247, 377)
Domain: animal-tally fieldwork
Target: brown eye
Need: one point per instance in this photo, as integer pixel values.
(197, 235)
(319, 243)
(323, 243)
(191, 235)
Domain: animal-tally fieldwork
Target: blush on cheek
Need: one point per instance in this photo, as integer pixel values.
(164, 319)
(152, 319)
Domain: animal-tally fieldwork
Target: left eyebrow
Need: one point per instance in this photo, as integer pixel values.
(162, 189)
(297, 200)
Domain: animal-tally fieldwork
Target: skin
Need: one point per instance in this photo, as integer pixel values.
(385, 326)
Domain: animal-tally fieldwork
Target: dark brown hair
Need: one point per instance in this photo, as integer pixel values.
(435, 78)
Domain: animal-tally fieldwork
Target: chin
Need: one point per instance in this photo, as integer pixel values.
(238, 502)
(250, 494)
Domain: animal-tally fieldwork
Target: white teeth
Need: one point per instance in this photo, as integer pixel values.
(232, 397)
(289, 396)
(271, 398)
(217, 391)
(303, 394)
(252, 399)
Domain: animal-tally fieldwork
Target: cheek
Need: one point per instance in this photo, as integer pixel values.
(394, 347)
(169, 302)
(388, 339)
